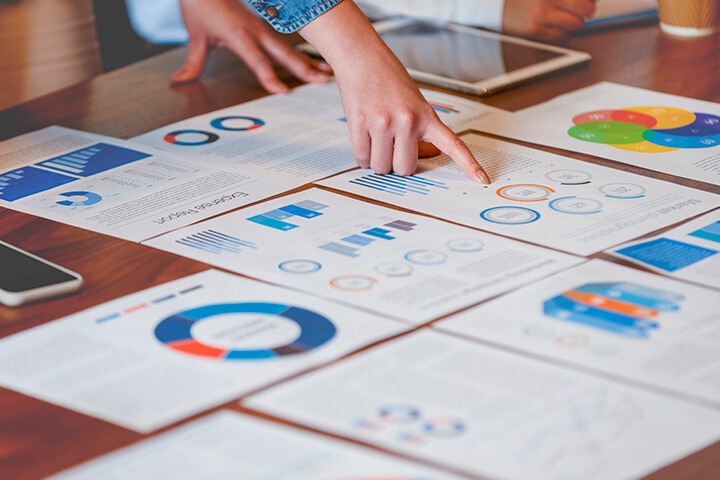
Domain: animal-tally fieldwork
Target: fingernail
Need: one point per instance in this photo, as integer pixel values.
(321, 77)
(482, 176)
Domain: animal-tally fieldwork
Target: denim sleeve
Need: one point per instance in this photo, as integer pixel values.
(286, 16)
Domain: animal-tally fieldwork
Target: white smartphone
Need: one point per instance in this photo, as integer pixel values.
(26, 278)
(468, 59)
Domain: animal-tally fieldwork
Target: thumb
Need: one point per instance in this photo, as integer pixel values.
(197, 53)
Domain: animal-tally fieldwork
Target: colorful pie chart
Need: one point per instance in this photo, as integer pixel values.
(648, 129)
(176, 332)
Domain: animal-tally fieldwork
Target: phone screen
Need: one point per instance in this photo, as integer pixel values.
(449, 53)
(20, 272)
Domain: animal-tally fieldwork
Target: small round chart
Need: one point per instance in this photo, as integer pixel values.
(426, 257)
(465, 245)
(245, 331)
(237, 123)
(79, 199)
(510, 215)
(525, 192)
(576, 205)
(648, 129)
(399, 414)
(191, 138)
(623, 190)
(300, 266)
(444, 427)
(569, 177)
(394, 269)
(353, 283)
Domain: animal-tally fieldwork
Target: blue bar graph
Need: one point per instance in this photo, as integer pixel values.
(358, 240)
(401, 225)
(710, 232)
(27, 181)
(272, 223)
(95, 159)
(379, 233)
(278, 214)
(275, 218)
(300, 211)
(341, 249)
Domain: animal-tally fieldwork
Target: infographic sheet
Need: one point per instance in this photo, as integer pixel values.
(493, 413)
(536, 196)
(228, 444)
(290, 139)
(617, 320)
(688, 252)
(410, 267)
(113, 186)
(657, 131)
(160, 355)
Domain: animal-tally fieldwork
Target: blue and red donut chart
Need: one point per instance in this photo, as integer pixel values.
(175, 331)
(176, 137)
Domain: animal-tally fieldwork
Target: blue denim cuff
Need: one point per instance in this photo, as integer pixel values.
(291, 15)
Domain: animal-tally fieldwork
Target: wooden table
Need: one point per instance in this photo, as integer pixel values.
(36, 438)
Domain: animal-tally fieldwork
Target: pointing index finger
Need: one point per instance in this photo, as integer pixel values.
(455, 148)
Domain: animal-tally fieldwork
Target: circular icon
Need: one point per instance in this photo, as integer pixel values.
(354, 283)
(569, 177)
(465, 245)
(85, 199)
(525, 192)
(648, 129)
(576, 205)
(237, 323)
(300, 266)
(425, 257)
(444, 427)
(190, 138)
(623, 190)
(399, 414)
(237, 123)
(509, 215)
(394, 269)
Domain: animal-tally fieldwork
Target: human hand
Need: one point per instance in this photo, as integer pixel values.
(386, 113)
(546, 19)
(228, 23)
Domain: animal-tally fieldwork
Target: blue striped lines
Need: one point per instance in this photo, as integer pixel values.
(399, 185)
(216, 242)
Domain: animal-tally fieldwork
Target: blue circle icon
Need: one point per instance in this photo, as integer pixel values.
(175, 331)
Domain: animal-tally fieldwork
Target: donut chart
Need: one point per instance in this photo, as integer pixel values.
(79, 199)
(175, 331)
(648, 129)
(191, 138)
(237, 123)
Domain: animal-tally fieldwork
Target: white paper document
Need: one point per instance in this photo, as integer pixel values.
(536, 196)
(290, 139)
(410, 267)
(688, 252)
(230, 445)
(113, 186)
(617, 320)
(493, 413)
(657, 131)
(160, 355)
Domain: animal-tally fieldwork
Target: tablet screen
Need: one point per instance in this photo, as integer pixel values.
(449, 53)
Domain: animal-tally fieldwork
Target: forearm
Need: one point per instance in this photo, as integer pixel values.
(345, 38)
